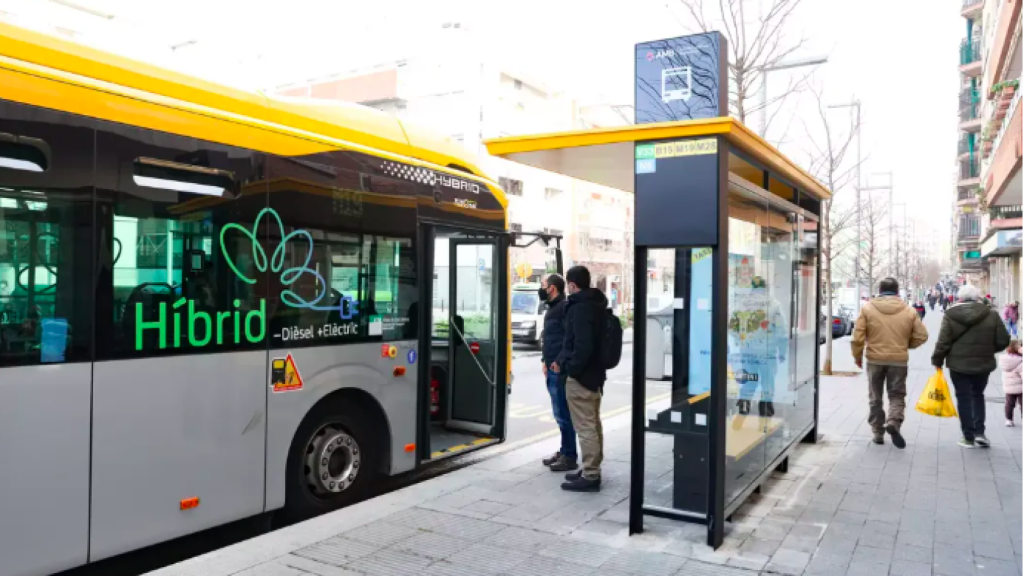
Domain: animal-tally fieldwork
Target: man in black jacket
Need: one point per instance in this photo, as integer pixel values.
(580, 360)
(552, 291)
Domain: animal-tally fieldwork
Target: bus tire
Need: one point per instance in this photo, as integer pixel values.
(331, 463)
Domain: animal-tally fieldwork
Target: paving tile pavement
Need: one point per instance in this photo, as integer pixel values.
(846, 507)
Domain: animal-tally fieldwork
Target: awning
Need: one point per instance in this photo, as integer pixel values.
(973, 265)
(606, 155)
(1002, 243)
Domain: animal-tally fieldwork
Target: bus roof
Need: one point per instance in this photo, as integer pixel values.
(321, 125)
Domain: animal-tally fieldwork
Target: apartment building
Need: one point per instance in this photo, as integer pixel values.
(1000, 237)
(456, 89)
(987, 217)
(967, 214)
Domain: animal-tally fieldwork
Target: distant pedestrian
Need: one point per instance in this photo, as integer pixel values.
(580, 360)
(1011, 365)
(919, 308)
(971, 335)
(1011, 315)
(552, 291)
(888, 329)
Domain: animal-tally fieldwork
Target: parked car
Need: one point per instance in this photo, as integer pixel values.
(851, 319)
(527, 314)
(840, 323)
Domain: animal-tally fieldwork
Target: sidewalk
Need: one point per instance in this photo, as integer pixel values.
(846, 507)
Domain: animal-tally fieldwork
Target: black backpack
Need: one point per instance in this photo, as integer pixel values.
(611, 340)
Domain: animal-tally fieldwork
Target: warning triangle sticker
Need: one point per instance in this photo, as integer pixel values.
(285, 375)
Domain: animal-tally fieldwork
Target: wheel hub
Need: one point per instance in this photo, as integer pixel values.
(333, 458)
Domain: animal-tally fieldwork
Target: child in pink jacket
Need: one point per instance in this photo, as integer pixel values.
(1011, 365)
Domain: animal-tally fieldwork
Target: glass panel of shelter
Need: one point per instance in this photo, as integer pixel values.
(770, 358)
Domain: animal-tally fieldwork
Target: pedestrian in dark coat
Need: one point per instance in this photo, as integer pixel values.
(971, 335)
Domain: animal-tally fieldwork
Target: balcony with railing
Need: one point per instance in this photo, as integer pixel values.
(997, 213)
(1007, 98)
(970, 106)
(970, 57)
(967, 145)
(967, 237)
(966, 196)
(972, 8)
(970, 173)
(1004, 163)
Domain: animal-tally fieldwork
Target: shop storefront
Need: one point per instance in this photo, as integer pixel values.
(1003, 250)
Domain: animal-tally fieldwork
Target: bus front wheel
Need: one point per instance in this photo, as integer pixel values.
(331, 463)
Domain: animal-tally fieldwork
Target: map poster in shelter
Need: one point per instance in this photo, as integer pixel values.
(701, 275)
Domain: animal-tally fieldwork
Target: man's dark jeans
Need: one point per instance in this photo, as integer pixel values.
(970, 402)
(560, 409)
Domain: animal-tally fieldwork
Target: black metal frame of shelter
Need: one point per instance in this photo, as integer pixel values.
(699, 468)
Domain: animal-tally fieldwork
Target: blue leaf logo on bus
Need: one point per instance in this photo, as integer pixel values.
(202, 327)
(347, 307)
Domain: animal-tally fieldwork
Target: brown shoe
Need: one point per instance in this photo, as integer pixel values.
(551, 459)
(878, 438)
(563, 464)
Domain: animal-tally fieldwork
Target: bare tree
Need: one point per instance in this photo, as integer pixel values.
(875, 244)
(756, 43)
(829, 164)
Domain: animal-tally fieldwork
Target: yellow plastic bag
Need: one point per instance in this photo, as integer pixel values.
(935, 400)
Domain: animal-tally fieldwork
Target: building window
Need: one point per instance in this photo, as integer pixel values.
(511, 186)
(552, 193)
(970, 226)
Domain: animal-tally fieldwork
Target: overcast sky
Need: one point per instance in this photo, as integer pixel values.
(899, 58)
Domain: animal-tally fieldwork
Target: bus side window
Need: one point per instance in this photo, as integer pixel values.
(176, 223)
(353, 280)
(46, 192)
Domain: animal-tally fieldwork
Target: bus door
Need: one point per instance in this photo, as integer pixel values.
(468, 331)
(473, 335)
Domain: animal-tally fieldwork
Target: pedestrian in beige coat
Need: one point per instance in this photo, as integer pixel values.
(887, 329)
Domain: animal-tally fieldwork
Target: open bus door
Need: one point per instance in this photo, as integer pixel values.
(464, 343)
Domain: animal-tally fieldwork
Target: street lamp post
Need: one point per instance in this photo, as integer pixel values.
(764, 83)
(856, 268)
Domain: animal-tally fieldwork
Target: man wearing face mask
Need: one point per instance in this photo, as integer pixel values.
(552, 291)
(581, 362)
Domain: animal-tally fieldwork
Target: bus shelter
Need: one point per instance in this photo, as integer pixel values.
(727, 268)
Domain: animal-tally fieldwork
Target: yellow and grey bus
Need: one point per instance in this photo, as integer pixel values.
(215, 304)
